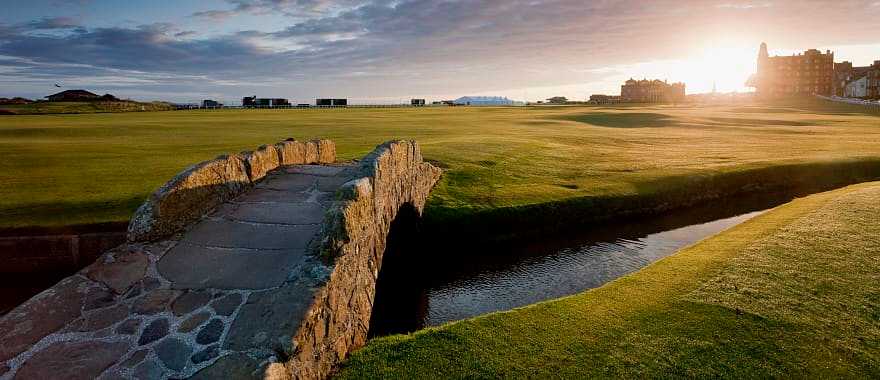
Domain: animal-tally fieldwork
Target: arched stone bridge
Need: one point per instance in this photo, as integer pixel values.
(255, 265)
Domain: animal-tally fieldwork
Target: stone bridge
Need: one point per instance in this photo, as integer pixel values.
(261, 264)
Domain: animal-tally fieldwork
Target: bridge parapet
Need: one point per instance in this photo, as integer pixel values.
(201, 187)
(247, 266)
(391, 177)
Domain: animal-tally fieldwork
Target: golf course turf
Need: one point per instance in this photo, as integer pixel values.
(60, 170)
(790, 293)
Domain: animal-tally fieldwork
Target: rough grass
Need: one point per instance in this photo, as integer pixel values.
(72, 169)
(47, 108)
(790, 293)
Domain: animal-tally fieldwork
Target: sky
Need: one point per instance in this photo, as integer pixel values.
(388, 51)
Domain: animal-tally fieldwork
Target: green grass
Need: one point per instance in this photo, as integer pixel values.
(89, 168)
(789, 294)
(46, 108)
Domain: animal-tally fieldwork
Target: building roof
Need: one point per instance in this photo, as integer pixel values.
(74, 93)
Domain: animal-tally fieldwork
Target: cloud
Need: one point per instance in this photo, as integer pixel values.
(186, 33)
(215, 15)
(290, 8)
(48, 23)
(407, 46)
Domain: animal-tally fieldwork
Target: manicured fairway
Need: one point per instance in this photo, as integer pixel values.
(789, 294)
(71, 169)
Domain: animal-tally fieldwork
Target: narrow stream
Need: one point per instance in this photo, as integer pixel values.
(420, 287)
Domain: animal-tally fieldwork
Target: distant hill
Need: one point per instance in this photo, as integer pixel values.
(42, 108)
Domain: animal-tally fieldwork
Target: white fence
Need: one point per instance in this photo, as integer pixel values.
(294, 107)
(859, 102)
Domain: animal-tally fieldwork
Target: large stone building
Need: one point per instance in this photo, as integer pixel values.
(857, 82)
(874, 81)
(652, 91)
(807, 74)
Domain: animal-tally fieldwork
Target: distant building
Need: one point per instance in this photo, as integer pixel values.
(208, 103)
(331, 102)
(484, 101)
(417, 102)
(857, 82)
(652, 91)
(857, 88)
(874, 81)
(253, 101)
(844, 73)
(603, 99)
(557, 100)
(73, 96)
(807, 74)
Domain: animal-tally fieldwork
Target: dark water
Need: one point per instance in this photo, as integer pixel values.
(420, 286)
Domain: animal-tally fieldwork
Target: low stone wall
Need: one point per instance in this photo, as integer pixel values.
(35, 259)
(354, 239)
(200, 188)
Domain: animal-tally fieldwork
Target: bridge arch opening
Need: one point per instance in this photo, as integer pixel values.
(396, 299)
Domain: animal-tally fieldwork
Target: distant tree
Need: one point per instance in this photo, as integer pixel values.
(557, 100)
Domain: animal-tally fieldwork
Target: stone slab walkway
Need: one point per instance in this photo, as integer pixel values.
(219, 300)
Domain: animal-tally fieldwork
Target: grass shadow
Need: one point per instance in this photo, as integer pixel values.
(624, 120)
(734, 121)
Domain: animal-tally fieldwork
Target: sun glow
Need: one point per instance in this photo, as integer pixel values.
(725, 69)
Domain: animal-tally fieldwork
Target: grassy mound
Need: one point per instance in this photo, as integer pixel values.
(47, 108)
(791, 293)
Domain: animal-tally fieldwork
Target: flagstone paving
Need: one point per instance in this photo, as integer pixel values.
(218, 300)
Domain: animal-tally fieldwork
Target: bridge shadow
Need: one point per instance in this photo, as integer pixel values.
(396, 301)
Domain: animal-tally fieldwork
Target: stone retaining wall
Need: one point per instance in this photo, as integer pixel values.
(200, 188)
(355, 234)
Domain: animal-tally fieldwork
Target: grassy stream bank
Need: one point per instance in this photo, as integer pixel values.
(654, 198)
(790, 293)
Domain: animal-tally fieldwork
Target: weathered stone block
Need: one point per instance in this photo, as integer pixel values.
(120, 270)
(270, 318)
(154, 302)
(174, 353)
(233, 366)
(192, 322)
(311, 152)
(227, 304)
(190, 301)
(104, 318)
(207, 354)
(274, 213)
(154, 331)
(326, 151)
(72, 360)
(192, 193)
(210, 333)
(261, 161)
(42, 315)
(291, 152)
(234, 234)
(195, 267)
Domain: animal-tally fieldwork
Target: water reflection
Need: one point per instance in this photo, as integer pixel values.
(422, 286)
